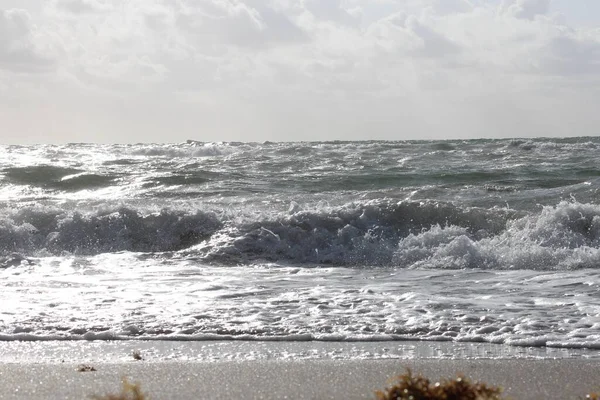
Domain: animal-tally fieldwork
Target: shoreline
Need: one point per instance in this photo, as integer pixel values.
(117, 351)
(185, 370)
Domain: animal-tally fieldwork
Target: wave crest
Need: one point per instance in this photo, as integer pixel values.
(39, 231)
(375, 233)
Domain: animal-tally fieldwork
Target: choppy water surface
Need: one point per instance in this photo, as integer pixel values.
(467, 241)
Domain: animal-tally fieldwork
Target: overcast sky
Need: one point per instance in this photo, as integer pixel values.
(254, 70)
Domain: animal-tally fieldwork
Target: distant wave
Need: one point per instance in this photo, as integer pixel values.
(193, 149)
(56, 177)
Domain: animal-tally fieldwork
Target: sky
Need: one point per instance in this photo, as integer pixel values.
(128, 71)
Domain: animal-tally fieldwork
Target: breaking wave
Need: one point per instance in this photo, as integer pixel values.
(40, 231)
(375, 233)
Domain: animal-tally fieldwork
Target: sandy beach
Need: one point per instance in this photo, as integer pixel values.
(521, 378)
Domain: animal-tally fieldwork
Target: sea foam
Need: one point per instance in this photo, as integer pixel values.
(384, 233)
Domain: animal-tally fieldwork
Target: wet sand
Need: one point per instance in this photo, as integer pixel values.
(561, 378)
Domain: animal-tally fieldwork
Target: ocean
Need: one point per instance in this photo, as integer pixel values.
(484, 241)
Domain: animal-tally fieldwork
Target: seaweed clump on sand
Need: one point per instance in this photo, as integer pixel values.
(129, 391)
(417, 387)
(137, 355)
(86, 368)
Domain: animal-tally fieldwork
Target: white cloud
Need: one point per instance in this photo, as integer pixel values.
(332, 10)
(83, 6)
(526, 9)
(19, 48)
(572, 54)
(322, 68)
(235, 23)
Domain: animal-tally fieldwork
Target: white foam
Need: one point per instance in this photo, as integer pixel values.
(191, 150)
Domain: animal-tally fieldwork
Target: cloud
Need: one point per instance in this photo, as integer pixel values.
(525, 9)
(432, 43)
(235, 23)
(331, 10)
(184, 44)
(82, 6)
(19, 51)
(204, 44)
(263, 65)
(570, 55)
(446, 7)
